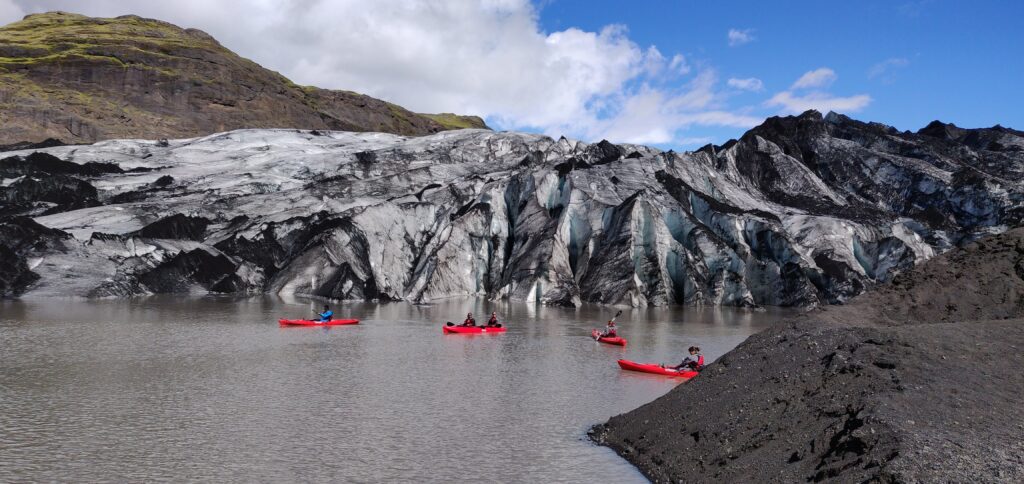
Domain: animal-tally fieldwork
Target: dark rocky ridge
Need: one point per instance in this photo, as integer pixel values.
(919, 381)
(78, 79)
(803, 210)
(20, 236)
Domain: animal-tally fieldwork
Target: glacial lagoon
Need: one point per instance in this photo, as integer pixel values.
(212, 389)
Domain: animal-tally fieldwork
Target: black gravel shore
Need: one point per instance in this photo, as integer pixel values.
(918, 381)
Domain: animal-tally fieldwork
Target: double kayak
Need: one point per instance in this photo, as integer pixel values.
(655, 369)
(472, 329)
(614, 340)
(306, 322)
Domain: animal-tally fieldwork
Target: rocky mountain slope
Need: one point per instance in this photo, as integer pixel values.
(800, 211)
(919, 381)
(79, 80)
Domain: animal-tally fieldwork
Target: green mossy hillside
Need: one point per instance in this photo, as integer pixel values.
(83, 79)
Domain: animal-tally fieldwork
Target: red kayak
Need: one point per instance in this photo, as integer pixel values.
(656, 369)
(471, 330)
(306, 322)
(616, 340)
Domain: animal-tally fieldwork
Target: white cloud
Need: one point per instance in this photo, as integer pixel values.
(658, 116)
(820, 101)
(697, 141)
(654, 62)
(748, 84)
(484, 57)
(820, 77)
(722, 118)
(739, 37)
(791, 102)
(679, 65)
(654, 116)
(885, 70)
(10, 12)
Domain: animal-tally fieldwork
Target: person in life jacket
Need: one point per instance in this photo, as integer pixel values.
(469, 320)
(609, 330)
(693, 362)
(326, 315)
(493, 321)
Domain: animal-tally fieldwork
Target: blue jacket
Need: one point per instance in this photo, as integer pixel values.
(326, 315)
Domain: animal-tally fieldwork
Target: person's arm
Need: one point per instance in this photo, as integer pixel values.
(681, 364)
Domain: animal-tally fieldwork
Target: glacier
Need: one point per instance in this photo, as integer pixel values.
(800, 211)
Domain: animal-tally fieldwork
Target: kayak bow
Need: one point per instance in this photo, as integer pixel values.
(655, 369)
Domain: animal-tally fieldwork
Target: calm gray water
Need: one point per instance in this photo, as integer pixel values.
(211, 389)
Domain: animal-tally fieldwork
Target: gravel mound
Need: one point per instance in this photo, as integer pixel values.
(981, 281)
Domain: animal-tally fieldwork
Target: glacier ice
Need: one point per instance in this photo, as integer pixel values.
(800, 211)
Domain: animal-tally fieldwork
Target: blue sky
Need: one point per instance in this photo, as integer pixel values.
(956, 61)
(670, 73)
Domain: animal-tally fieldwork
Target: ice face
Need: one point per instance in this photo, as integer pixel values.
(503, 215)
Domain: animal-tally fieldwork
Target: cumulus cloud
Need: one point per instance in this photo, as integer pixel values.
(679, 65)
(885, 70)
(739, 37)
(484, 57)
(823, 102)
(657, 115)
(820, 77)
(748, 84)
(797, 99)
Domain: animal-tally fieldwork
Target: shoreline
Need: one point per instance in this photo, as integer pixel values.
(916, 381)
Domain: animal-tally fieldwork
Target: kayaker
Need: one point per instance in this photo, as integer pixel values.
(470, 322)
(693, 362)
(493, 322)
(326, 315)
(609, 330)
